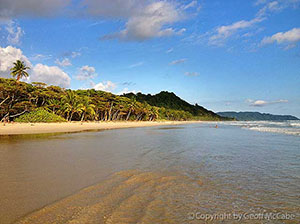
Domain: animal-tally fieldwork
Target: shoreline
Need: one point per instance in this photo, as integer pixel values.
(46, 128)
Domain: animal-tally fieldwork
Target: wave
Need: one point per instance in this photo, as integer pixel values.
(295, 124)
(276, 130)
(281, 127)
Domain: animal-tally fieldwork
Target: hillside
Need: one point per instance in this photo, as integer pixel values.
(24, 100)
(169, 100)
(256, 116)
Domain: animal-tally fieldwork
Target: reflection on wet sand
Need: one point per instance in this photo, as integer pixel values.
(148, 175)
(126, 197)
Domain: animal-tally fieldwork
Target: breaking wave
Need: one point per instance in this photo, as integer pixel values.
(281, 127)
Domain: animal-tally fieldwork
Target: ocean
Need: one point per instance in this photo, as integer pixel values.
(193, 173)
(291, 127)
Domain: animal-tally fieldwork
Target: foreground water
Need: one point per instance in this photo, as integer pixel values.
(176, 174)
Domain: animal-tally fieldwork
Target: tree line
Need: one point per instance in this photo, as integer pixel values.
(18, 98)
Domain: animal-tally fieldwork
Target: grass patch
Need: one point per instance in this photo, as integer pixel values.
(39, 115)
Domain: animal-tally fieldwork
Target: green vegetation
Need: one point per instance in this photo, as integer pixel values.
(19, 70)
(171, 102)
(38, 102)
(40, 115)
(256, 116)
(19, 98)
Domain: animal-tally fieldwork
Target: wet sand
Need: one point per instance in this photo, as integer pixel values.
(41, 128)
(126, 197)
(163, 174)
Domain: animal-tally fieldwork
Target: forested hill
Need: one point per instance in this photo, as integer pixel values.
(38, 102)
(169, 100)
(256, 116)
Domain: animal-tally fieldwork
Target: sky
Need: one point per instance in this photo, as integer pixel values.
(224, 55)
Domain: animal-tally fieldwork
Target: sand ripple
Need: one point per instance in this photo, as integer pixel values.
(127, 197)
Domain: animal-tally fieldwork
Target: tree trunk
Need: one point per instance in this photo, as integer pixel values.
(105, 116)
(5, 116)
(109, 114)
(128, 115)
(138, 117)
(19, 114)
(82, 117)
(71, 116)
(114, 117)
(3, 101)
(18, 77)
(43, 102)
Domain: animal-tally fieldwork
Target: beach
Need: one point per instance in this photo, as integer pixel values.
(163, 173)
(42, 128)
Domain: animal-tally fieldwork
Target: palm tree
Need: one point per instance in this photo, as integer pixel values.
(87, 107)
(131, 107)
(19, 70)
(54, 104)
(153, 113)
(71, 104)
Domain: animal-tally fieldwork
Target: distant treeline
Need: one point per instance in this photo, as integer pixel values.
(18, 98)
(256, 116)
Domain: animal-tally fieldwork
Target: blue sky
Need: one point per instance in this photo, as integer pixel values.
(224, 55)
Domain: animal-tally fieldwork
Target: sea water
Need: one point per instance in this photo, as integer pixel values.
(239, 171)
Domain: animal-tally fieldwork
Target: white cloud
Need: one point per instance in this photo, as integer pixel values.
(274, 6)
(8, 56)
(105, 86)
(128, 83)
(136, 64)
(15, 33)
(52, 75)
(126, 90)
(114, 9)
(192, 74)
(270, 7)
(192, 4)
(86, 73)
(75, 54)
(147, 21)
(144, 19)
(40, 57)
(290, 37)
(16, 8)
(65, 62)
(176, 62)
(261, 103)
(224, 32)
(170, 50)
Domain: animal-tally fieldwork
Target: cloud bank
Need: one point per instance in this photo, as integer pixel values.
(8, 56)
(144, 19)
(290, 38)
(51, 75)
(105, 86)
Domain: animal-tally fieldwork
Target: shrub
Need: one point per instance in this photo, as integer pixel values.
(40, 115)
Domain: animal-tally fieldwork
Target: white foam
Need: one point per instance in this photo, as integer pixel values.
(288, 131)
(295, 124)
(283, 127)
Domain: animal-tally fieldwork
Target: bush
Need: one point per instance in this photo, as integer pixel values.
(40, 115)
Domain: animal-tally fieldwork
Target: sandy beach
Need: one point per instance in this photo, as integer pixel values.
(41, 128)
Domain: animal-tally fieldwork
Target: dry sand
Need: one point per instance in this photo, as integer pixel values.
(40, 128)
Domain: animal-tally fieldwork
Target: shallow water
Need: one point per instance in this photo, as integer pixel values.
(174, 174)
